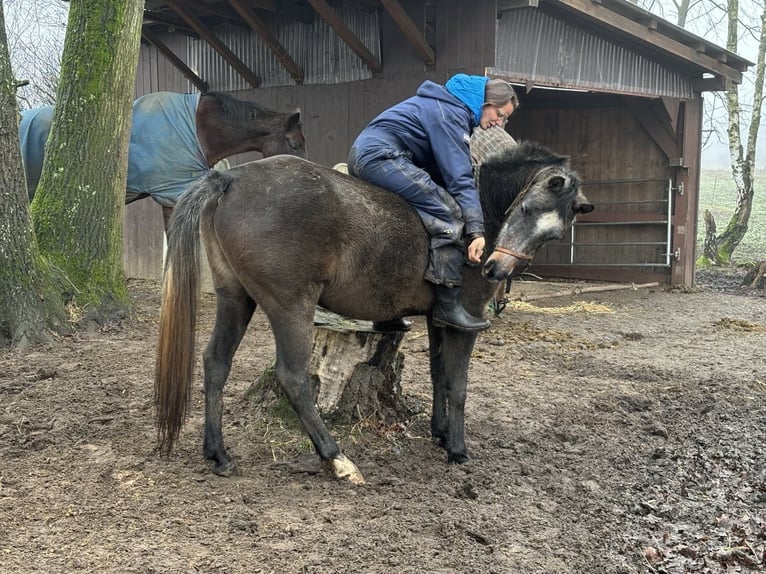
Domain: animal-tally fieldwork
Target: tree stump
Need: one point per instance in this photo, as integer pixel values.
(709, 247)
(355, 371)
(756, 277)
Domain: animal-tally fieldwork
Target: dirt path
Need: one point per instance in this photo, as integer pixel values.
(611, 433)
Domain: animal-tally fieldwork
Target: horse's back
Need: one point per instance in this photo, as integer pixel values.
(292, 190)
(289, 220)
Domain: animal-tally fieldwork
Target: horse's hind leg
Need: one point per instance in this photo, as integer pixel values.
(234, 309)
(293, 333)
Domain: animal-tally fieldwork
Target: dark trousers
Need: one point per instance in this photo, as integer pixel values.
(393, 169)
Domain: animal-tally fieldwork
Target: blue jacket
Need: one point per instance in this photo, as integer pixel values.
(436, 125)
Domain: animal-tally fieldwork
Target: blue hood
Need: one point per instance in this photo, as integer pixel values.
(469, 90)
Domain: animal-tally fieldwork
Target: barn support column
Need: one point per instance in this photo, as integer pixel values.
(686, 203)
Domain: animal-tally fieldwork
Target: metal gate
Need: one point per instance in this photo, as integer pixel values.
(631, 232)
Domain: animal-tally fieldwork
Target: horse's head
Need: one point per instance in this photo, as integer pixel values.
(542, 210)
(287, 138)
(227, 126)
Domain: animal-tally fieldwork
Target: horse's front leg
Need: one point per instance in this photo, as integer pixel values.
(233, 313)
(439, 383)
(450, 355)
(458, 346)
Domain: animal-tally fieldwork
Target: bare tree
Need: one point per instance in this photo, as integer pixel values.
(718, 248)
(35, 30)
(78, 208)
(29, 305)
(72, 249)
(726, 113)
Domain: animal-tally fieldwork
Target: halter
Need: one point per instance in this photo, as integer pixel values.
(515, 254)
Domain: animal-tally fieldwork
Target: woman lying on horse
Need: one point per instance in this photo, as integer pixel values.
(425, 139)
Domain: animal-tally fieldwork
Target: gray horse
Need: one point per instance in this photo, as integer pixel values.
(288, 234)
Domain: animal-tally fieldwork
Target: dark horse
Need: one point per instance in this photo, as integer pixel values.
(287, 234)
(176, 138)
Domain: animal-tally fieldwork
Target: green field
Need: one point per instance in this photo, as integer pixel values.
(719, 196)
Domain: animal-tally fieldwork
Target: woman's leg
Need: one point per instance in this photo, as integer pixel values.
(393, 170)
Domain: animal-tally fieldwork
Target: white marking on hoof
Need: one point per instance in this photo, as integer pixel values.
(344, 468)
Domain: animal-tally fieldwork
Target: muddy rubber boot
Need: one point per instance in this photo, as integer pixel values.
(392, 325)
(448, 312)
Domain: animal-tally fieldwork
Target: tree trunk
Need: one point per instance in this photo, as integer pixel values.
(28, 305)
(683, 12)
(710, 247)
(742, 159)
(756, 277)
(78, 208)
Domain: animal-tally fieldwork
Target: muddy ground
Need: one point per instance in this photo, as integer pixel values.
(611, 432)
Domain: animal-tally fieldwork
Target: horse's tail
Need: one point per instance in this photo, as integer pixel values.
(178, 315)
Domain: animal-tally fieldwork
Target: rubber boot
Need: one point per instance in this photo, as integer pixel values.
(448, 311)
(392, 325)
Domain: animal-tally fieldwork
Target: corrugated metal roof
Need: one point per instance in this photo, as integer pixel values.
(535, 48)
(323, 55)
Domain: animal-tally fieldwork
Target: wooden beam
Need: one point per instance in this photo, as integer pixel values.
(155, 17)
(651, 24)
(329, 16)
(626, 26)
(215, 43)
(410, 31)
(687, 204)
(260, 28)
(179, 64)
(716, 84)
(661, 133)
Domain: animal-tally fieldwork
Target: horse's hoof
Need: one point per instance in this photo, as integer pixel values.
(458, 458)
(344, 468)
(227, 468)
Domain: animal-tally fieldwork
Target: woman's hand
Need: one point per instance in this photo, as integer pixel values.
(475, 249)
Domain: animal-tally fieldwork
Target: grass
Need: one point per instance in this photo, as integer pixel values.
(718, 195)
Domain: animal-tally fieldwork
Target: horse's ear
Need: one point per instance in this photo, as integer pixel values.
(294, 119)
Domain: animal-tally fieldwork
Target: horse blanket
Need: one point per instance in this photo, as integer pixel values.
(164, 156)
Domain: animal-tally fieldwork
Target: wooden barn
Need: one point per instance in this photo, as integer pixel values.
(609, 84)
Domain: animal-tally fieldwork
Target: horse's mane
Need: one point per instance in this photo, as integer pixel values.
(504, 175)
(239, 109)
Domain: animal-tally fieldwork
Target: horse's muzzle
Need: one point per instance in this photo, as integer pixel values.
(499, 266)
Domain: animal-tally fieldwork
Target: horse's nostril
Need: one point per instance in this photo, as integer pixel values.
(488, 267)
